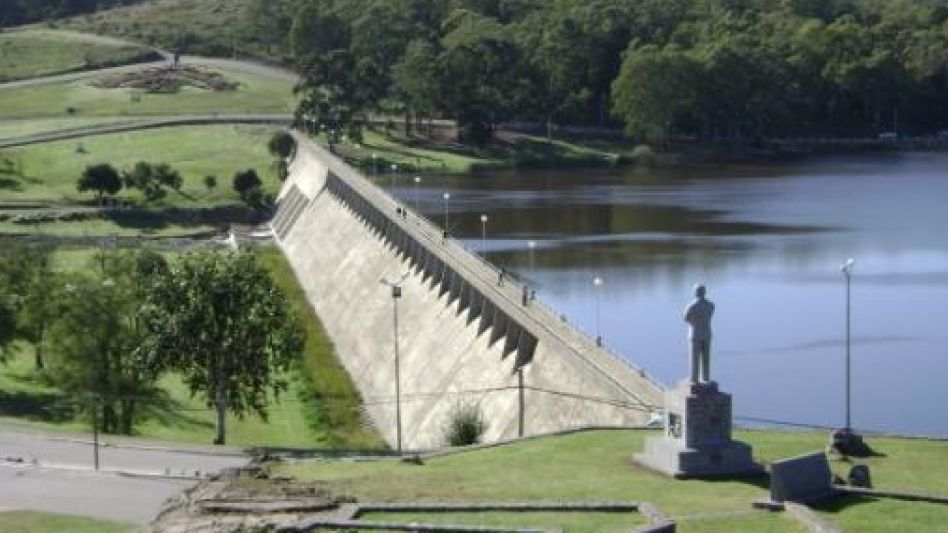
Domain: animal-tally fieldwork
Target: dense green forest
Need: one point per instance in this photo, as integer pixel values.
(699, 68)
(15, 12)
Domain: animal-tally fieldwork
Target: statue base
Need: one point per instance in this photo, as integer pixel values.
(697, 437)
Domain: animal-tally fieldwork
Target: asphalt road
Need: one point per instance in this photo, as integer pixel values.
(50, 472)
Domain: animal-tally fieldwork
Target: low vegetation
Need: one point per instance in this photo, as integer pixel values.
(595, 466)
(34, 53)
(48, 172)
(86, 98)
(35, 522)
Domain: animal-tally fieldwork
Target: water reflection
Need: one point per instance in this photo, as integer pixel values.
(768, 241)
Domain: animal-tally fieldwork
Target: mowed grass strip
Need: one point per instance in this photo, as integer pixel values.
(595, 466)
(574, 522)
(39, 52)
(36, 522)
(48, 172)
(319, 411)
(82, 98)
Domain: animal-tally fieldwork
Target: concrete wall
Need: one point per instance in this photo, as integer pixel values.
(462, 338)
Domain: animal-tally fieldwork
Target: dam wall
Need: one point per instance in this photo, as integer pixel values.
(463, 337)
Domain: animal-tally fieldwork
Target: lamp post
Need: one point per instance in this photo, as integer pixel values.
(483, 233)
(447, 197)
(531, 245)
(375, 166)
(847, 269)
(417, 181)
(394, 175)
(597, 283)
(396, 294)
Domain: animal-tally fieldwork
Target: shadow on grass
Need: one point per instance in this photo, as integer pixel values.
(171, 413)
(11, 184)
(840, 503)
(37, 406)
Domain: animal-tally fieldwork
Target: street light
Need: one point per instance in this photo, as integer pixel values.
(597, 282)
(847, 269)
(375, 167)
(446, 196)
(417, 181)
(394, 175)
(531, 245)
(396, 294)
(483, 233)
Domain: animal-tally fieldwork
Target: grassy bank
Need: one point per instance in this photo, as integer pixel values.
(34, 522)
(509, 150)
(595, 466)
(209, 27)
(82, 98)
(48, 172)
(40, 52)
(320, 409)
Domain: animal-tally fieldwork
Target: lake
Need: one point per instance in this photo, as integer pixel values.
(768, 242)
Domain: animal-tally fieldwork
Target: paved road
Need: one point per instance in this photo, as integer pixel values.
(56, 474)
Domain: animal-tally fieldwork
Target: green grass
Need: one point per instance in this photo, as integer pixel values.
(34, 522)
(324, 417)
(340, 404)
(595, 466)
(11, 129)
(213, 27)
(419, 154)
(33, 53)
(572, 522)
(81, 98)
(48, 172)
(152, 228)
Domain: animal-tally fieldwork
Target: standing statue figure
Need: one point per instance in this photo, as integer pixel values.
(698, 316)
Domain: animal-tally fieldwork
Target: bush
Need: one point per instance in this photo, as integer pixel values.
(644, 155)
(466, 425)
(282, 144)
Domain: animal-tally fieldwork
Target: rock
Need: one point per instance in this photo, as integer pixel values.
(859, 477)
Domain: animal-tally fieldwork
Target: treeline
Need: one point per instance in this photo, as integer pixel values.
(16, 12)
(703, 68)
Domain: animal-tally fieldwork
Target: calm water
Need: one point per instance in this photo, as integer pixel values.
(768, 242)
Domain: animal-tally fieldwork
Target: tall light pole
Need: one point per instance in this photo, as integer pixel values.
(396, 294)
(847, 269)
(447, 197)
(531, 245)
(483, 233)
(394, 175)
(417, 181)
(597, 283)
(375, 166)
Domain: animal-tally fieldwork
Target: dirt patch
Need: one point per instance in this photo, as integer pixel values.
(167, 80)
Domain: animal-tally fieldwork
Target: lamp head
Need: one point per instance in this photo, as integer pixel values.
(847, 266)
(484, 218)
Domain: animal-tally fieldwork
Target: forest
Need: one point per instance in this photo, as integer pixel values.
(659, 68)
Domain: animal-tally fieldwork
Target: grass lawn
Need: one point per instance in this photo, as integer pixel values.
(104, 228)
(11, 129)
(34, 522)
(254, 94)
(320, 409)
(572, 522)
(40, 52)
(594, 466)
(48, 172)
(419, 154)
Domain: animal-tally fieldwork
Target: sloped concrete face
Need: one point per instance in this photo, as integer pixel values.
(461, 338)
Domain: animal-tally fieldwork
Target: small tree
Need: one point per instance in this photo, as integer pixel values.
(249, 187)
(7, 328)
(27, 280)
(466, 425)
(221, 322)
(282, 145)
(210, 182)
(101, 178)
(152, 180)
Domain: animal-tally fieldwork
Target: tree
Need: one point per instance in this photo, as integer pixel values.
(221, 322)
(249, 187)
(210, 182)
(95, 340)
(282, 144)
(28, 280)
(101, 178)
(7, 328)
(152, 180)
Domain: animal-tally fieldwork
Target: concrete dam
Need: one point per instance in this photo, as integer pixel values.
(464, 338)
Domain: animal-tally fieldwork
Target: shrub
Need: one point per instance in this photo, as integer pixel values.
(466, 425)
(644, 155)
(282, 144)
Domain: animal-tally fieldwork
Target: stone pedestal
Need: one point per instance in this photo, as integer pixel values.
(697, 436)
